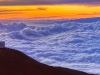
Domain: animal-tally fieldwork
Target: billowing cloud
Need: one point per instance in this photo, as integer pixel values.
(40, 2)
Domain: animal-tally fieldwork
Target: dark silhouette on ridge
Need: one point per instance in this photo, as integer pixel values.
(13, 62)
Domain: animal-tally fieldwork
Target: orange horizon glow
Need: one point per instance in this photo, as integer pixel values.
(38, 12)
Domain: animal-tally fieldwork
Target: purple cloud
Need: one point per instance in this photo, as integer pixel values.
(37, 2)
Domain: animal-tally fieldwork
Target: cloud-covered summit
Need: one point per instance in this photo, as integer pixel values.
(42, 2)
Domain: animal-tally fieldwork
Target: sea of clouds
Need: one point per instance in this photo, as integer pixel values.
(70, 44)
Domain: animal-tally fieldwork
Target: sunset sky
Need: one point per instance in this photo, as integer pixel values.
(49, 9)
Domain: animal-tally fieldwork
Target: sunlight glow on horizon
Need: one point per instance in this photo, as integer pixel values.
(48, 12)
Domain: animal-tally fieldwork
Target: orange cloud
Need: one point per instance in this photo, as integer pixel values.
(49, 12)
(41, 8)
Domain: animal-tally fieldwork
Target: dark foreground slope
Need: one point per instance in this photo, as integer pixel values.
(13, 62)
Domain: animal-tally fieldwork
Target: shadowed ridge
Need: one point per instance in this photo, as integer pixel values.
(13, 62)
(11, 55)
(73, 71)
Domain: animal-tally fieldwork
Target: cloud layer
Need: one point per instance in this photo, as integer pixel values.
(41, 2)
(67, 44)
